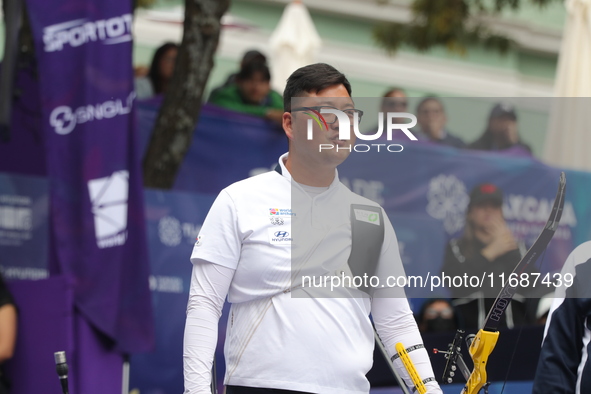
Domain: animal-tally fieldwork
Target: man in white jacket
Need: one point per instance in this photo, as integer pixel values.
(274, 244)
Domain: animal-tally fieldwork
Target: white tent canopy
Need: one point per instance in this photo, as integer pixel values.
(294, 43)
(569, 135)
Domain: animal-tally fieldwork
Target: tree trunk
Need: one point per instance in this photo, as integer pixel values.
(180, 110)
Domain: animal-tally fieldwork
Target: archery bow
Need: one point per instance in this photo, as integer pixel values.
(485, 340)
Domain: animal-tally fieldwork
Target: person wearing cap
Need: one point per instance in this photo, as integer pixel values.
(486, 247)
(501, 132)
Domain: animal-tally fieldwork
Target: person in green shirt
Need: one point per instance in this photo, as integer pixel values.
(251, 94)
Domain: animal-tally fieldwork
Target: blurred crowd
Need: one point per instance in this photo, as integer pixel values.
(249, 91)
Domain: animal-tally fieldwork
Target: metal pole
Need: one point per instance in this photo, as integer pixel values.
(125, 375)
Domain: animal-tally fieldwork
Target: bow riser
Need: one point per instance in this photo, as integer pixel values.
(481, 347)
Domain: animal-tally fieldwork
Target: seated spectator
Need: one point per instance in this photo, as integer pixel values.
(251, 94)
(431, 121)
(394, 100)
(249, 56)
(487, 247)
(159, 74)
(437, 315)
(501, 132)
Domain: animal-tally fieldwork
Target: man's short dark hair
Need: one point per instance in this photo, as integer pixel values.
(312, 79)
(249, 69)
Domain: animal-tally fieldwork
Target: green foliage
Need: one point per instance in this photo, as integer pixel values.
(453, 24)
(143, 3)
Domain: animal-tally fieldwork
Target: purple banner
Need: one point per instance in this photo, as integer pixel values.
(49, 323)
(85, 72)
(45, 326)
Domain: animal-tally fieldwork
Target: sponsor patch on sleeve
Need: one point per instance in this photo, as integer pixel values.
(367, 216)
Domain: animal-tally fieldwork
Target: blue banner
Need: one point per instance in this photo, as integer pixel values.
(426, 184)
(173, 222)
(424, 188)
(24, 226)
(83, 51)
(226, 147)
